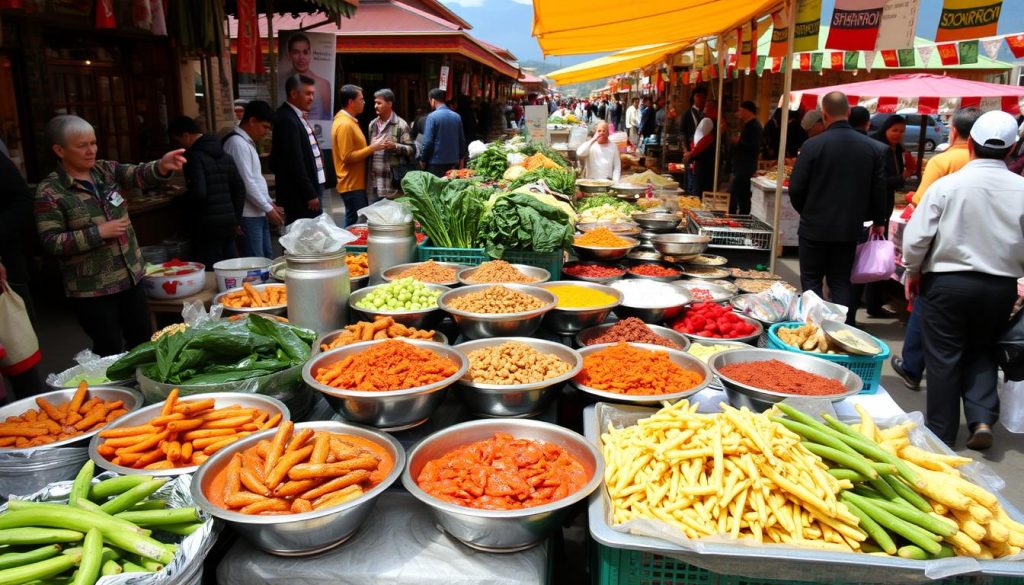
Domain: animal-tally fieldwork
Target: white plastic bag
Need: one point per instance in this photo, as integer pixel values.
(318, 235)
(386, 212)
(813, 309)
(476, 148)
(1011, 406)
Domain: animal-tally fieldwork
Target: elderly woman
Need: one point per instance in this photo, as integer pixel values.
(82, 218)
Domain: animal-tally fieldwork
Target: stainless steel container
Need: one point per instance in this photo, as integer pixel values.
(389, 245)
(318, 289)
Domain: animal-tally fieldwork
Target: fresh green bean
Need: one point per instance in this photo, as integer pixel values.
(871, 449)
(150, 518)
(110, 568)
(148, 564)
(867, 492)
(31, 535)
(133, 496)
(913, 552)
(80, 487)
(109, 554)
(92, 559)
(812, 434)
(848, 474)
(911, 532)
(130, 567)
(883, 467)
(44, 569)
(17, 559)
(87, 505)
(854, 462)
(915, 516)
(882, 487)
(907, 493)
(116, 485)
(876, 532)
(23, 505)
(148, 505)
(180, 529)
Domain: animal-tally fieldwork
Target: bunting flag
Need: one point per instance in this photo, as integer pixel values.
(684, 77)
(105, 14)
(992, 47)
(745, 34)
(854, 25)
(142, 15)
(700, 77)
(156, 8)
(248, 37)
(836, 58)
(869, 60)
(805, 61)
(817, 61)
(756, 31)
(948, 54)
(808, 24)
(925, 53)
(890, 58)
(851, 59)
(1016, 44)
(899, 22)
(968, 19)
(968, 52)
(777, 64)
(759, 68)
(906, 57)
(780, 34)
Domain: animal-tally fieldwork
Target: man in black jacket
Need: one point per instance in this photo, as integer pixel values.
(836, 185)
(744, 159)
(295, 155)
(215, 194)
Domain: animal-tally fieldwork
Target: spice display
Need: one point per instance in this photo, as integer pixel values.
(756, 274)
(299, 471)
(503, 473)
(498, 271)
(781, 377)
(514, 363)
(755, 285)
(580, 269)
(656, 270)
(713, 320)
(704, 352)
(602, 238)
(571, 296)
(404, 294)
(389, 365)
(624, 369)
(496, 300)
(51, 423)
(357, 265)
(649, 294)
(250, 298)
(381, 328)
(430, 271)
(632, 330)
(185, 433)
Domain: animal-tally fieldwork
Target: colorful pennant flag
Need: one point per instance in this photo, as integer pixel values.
(968, 19)
(948, 54)
(808, 23)
(805, 61)
(968, 52)
(759, 68)
(899, 22)
(836, 58)
(777, 63)
(992, 47)
(854, 24)
(817, 61)
(684, 77)
(105, 14)
(851, 59)
(890, 58)
(745, 34)
(869, 60)
(1016, 44)
(756, 32)
(780, 33)
(925, 53)
(906, 57)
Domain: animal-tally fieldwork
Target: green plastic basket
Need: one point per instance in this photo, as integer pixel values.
(869, 368)
(552, 262)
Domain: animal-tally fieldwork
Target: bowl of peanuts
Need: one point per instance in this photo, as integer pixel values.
(497, 310)
(443, 273)
(271, 299)
(515, 376)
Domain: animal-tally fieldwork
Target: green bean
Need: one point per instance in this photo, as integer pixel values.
(92, 559)
(133, 496)
(915, 516)
(44, 569)
(109, 554)
(22, 506)
(880, 486)
(907, 493)
(916, 553)
(854, 462)
(883, 467)
(111, 568)
(847, 474)
(867, 492)
(116, 485)
(946, 552)
(871, 449)
(18, 559)
(130, 567)
(148, 564)
(149, 505)
(80, 487)
(812, 434)
(150, 518)
(876, 532)
(87, 505)
(180, 529)
(30, 535)
(911, 532)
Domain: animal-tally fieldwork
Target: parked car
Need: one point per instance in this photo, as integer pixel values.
(935, 133)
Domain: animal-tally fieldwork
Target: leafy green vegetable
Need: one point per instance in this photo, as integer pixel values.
(492, 163)
(449, 211)
(518, 221)
(599, 200)
(561, 180)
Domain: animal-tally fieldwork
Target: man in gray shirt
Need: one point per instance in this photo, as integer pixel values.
(962, 250)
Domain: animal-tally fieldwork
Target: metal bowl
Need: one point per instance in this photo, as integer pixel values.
(719, 294)
(132, 401)
(679, 357)
(644, 254)
(298, 534)
(419, 319)
(633, 263)
(708, 260)
(393, 272)
(516, 399)
(759, 399)
(832, 327)
(391, 409)
(485, 325)
(664, 332)
(595, 279)
(358, 282)
(275, 310)
(706, 273)
(540, 274)
(593, 185)
(501, 530)
(759, 329)
(725, 284)
(629, 189)
(140, 417)
(658, 314)
(327, 338)
(657, 222)
(568, 321)
(606, 254)
(622, 228)
(62, 380)
(680, 244)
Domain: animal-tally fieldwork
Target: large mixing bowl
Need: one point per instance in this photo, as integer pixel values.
(535, 272)
(390, 409)
(395, 272)
(485, 325)
(132, 401)
(516, 399)
(569, 321)
(681, 245)
(679, 357)
(584, 337)
(298, 534)
(418, 318)
(603, 253)
(501, 530)
(657, 222)
(759, 399)
(659, 313)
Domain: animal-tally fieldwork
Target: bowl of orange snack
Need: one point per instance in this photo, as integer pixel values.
(358, 270)
(300, 489)
(271, 299)
(177, 435)
(502, 485)
(380, 328)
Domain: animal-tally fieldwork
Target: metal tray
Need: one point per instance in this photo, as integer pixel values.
(132, 401)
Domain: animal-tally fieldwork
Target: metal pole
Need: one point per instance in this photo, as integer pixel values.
(787, 85)
(272, 51)
(722, 64)
(920, 148)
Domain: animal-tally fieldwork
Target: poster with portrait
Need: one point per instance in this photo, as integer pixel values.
(313, 55)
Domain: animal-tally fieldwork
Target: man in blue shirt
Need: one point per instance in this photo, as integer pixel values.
(444, 143)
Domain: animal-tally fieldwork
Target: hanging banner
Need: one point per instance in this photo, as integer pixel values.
(808, 23)
(759, 68)
(756, 32)
(968, 19)
(968, 52)
(992, 47)
(869, 60)
(899, 22)
(744, 49)
(312, 55)
(780, 34)
(156, 8)
(851, 60)
(836, 59)
(777, 64)
(948, 54)
(817, 60)
(1016, 44)
(854, 25)
(906, 57)
(105, 14)
(890, 58)
(248, 38)
(685, 77)
(805, 61)
(925, 52)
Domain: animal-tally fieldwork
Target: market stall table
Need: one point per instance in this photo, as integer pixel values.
(174, 306)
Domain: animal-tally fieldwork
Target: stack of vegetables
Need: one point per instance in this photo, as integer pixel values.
(605, 208)
(492, 163)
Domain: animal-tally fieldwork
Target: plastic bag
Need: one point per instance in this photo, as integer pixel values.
(194, 313)
(319, 235)
(812, 309)
(515, 158)
(476, 148)
(1011, 405)
(875, 260)
(577, 136)
(91, 365)
(776, 304)
(386, 212)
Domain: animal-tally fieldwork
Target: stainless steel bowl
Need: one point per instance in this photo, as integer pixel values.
(583, 337)
(831, 328)
(593, 185)
(634, 263)
(644, 254)
(708, 260)
(391, 409)
(139, 417)
(621, 228)
(568, 321)
(678, 357)
(501, 530)
(759, 399)
(393, 272)
(358, 282)
(327, 338)
(516, 399)
(719, 294)
(598, 280)
(629, 189)
(655, 314)
(132, 401)
(605, 254)
(485, 325)
(725, 284)
(298, 534)
(657, 222)
(540, 274)
(420, 319)
(680, 244)
(759, 329)
(275, 310)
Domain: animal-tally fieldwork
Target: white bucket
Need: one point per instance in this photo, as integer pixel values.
(232, 273)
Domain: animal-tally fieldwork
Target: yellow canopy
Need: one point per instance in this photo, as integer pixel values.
(621, 62)
(574, 27)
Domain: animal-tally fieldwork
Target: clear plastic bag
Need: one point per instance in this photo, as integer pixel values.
(319, 235)
(194, 313)
(386, 212)
(1011, 405)
(813, 309)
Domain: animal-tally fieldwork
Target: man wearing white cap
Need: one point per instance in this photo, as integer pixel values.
(962, 249)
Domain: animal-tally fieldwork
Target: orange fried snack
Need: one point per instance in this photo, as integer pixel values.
(624, 369)
(358, 265)
(381, 328)
(390, 365)
(52, 423)
(250, 297)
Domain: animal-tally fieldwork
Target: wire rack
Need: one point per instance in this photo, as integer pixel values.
(734, 231)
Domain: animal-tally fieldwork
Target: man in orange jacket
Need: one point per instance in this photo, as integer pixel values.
(351, 151)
